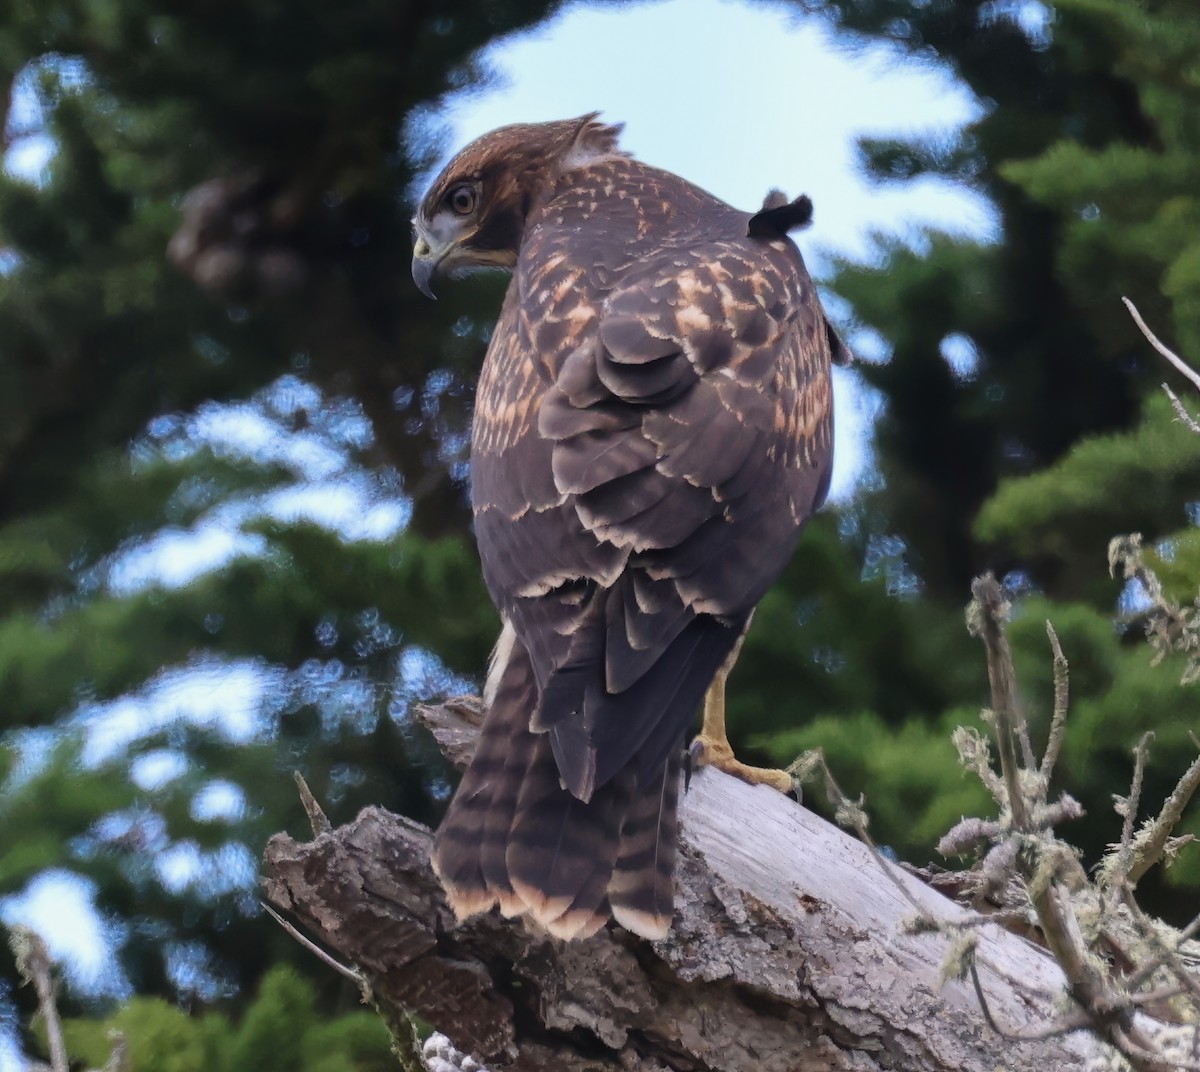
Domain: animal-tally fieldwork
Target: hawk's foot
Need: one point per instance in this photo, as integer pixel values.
(708, 751)
(711, 748)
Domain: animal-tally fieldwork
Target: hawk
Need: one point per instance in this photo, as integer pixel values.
(653, 426)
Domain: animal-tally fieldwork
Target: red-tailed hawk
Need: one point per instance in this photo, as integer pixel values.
(652, 428)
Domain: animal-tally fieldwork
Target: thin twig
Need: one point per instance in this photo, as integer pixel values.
(1078, 1022)
(1062, 696)
(406, 1043)
(983, 1003)
(1141, 1057)
(1181, 411)
(1004, 917)
(975, 754)
(1167, 955)
(1153, 839)
(1028, 760)
(847, 809)
(1144, 971)
(316, 816)
(1129, 806)
(1151, 997)
(966, 834)
(993, 607)
(353, 974)
(1178, 362)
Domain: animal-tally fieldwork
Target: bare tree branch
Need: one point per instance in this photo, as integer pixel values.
(316, 816)
(36, 967)
(787, 952)
(1152, 840)
(1058, 890)
(1176, 361)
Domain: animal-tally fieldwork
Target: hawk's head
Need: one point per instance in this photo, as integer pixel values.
(474, 213)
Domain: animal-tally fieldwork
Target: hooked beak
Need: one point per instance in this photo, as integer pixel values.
(425, 264)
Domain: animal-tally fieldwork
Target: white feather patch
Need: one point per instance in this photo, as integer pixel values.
(594, 143)
(497, 663)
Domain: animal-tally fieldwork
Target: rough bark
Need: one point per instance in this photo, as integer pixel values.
(789, 952)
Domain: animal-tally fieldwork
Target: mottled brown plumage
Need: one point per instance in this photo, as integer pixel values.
(653, 426)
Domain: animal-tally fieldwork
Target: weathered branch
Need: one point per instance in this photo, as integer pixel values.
(1151, 843)
(36, 967)
(1065, 900)
(316, 817)
(790, 950)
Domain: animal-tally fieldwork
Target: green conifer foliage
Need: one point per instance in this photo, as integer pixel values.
(277, 1031)
(1054, 437)
(221, 234)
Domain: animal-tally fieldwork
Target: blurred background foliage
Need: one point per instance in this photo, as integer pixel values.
(209, 346)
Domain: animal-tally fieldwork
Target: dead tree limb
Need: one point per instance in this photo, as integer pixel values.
(790, 951)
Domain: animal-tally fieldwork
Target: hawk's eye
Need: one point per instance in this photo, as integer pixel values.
(462, 199)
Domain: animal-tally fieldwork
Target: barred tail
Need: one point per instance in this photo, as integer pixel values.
(468, 851)
(641, 892)
(514, 837)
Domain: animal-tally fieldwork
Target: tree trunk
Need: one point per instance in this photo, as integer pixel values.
(789, 952)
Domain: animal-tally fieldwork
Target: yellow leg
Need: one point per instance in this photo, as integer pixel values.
(711, 748)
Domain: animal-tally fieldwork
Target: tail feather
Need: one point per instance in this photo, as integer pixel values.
(562, 850)
(638, 888)
(515, 698)
(468, 852)
(641, 891)
(457, 849)
(515, 836)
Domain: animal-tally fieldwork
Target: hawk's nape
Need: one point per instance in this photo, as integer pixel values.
(653, 427)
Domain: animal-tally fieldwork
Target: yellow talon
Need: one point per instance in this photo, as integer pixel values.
(711, 747)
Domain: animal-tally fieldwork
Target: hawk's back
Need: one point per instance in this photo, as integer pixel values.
(653, 426)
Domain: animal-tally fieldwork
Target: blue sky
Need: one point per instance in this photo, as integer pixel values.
(739, 98)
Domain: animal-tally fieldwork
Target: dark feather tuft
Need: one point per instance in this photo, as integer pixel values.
(778, 215)
(839, 353)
